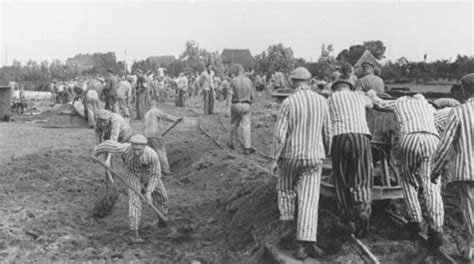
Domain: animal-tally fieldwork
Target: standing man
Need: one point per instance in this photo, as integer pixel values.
(153, 125)
(351, 156)
(142, 90)
(91, 101)
(241, 95)
(110, 92)
(300, 142)
(278, 80)
(418, 141)
(207, 86)
(370, 81)
(182, 83)
(143, 170)
(459, 133)
(124, 95)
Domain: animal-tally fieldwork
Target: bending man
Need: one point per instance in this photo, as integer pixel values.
(143, 170)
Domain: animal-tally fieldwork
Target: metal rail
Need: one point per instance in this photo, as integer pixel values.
(441, 254)
(363, 251)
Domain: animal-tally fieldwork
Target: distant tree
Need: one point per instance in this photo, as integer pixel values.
(351, 55)
(276, 58)
(376, 47)
(193, 57)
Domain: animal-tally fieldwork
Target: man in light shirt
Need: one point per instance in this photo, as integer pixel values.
(153, 127)
(182, 86)
(207, 85)
(124, 95)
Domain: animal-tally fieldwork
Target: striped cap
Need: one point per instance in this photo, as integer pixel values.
(138, 139)
(104, 114)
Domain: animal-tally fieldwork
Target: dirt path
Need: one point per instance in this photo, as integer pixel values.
(222, 204)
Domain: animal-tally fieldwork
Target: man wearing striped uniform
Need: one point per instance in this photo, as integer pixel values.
(351, 155)
(419, 139)
(153, 132)
(112, 126)
(459, 133)
(143, 170)
(301, 141)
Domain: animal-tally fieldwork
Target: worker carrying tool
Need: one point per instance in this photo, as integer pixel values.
(153, 126)
(144, 176)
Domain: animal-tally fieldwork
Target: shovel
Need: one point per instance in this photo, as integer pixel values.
(105, 206)
(171, 127)
(117, 176)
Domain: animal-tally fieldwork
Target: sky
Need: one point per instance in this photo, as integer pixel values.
(58, 30)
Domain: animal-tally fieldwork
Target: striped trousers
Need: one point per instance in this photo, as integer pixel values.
(352, 171)
(417, 149)
(466, 193)
(240, 115)
(298, 190)
(159, 195)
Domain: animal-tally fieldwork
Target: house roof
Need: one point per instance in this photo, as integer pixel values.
(367, 56)
(240, 56)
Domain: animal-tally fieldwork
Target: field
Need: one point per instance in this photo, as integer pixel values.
(423, 88)
(222, 204)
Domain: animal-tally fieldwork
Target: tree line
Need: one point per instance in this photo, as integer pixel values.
(276, 57)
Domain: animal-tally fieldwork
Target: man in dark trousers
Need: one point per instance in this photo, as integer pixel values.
(110, 92)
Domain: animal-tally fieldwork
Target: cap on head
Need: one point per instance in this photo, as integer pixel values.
(110, 71)
(139, 71)
(342, 83)
(346, 67)
(208, 64)
(104, 114)
(138, 139)
(300, 73)
(468, 81)
(368, 63)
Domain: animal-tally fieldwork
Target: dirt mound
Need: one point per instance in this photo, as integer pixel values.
(64, 116)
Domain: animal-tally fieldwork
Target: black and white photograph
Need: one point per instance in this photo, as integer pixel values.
(237, 131)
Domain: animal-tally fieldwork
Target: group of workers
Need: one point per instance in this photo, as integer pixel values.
(310, 128)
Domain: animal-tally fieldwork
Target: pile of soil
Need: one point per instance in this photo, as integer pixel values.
(63, 116)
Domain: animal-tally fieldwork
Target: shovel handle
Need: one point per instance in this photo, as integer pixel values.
(157, 211)
(171, 127)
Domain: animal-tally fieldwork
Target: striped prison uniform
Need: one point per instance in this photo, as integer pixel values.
(441, 119)
(351, 153)
(459, 133)
(301, 140)
(419, 139)
(118, 130)
(153, 126)
(143, 175)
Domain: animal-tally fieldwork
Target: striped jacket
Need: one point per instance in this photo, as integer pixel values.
(303, 128)
(348, 112)
(119, 130)
(413, 115)
(441, 119)
(459, 132)
(146, 166)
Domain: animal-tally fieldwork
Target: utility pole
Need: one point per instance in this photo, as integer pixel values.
(6, 55)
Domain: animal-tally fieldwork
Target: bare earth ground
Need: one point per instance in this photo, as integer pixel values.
(222, 204)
